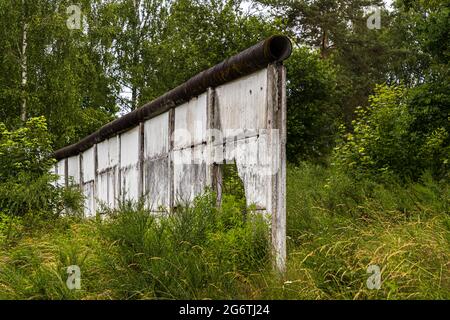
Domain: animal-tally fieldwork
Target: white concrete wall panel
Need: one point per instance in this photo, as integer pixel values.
(156, 183)
(129, 148)
(156, 136)
(88, 165)
(191, 122)
(89, 199)
(106, 189)
(74, 170)
(61, 171)
(254, 167)
(129, 183)
(190, 173)
(242, 104)
(129, 164)
(107, 172)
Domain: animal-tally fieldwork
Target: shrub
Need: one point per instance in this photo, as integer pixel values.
(10, 228)
(312, 115)
(27, 149)
(27, 189)
(386, 140)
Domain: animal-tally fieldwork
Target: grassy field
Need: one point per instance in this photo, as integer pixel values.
(337, 227)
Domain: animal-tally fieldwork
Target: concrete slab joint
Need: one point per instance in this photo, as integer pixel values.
(174, 153)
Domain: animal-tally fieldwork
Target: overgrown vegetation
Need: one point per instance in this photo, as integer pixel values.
(337, 227)
(386, 140)
(29, 194)
(368, 145)
(196, 252)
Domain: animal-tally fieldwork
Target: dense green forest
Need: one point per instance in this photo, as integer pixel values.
(368, 147)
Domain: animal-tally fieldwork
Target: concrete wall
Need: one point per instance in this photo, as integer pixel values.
(172, 157)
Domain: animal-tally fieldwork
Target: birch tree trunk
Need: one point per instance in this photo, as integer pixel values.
(24, 66)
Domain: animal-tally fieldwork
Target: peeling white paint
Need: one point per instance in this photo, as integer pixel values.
(172, 157)
(190, 123)
(88, 165)
(189, 173)
(74, 170)
(129, 148)
(61, 171)
(243, 104)
(156, 136)
(89, 199)
(156, 184)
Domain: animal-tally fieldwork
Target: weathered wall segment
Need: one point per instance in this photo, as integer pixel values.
(171, 149)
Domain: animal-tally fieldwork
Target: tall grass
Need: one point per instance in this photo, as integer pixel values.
(199, 251)
(196, 252)
(337, 227)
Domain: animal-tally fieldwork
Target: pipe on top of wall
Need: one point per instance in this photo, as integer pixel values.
(274, 49)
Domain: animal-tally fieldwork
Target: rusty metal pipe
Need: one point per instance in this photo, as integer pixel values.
(273, 49)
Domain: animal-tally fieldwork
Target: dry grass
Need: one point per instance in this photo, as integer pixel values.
(337, 227)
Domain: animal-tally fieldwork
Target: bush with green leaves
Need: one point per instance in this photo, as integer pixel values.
(27, 189)
(429, 104)
(386, 139)
(27, 149)
(312, 111)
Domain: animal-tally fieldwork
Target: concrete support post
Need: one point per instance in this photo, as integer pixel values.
(95, 180)
(277, 136)
(66, 172)
(141, 161)
(171, 155)
(119, 170)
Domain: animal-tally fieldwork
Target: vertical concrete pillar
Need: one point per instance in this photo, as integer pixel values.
(119, 170)
(277, 139)
(141, 161)
(95, 180)
(170, 156)
(80, 160)
(66, 172)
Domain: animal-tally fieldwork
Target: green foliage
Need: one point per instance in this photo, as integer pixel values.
(338, 29)
(337, 227)
(194, 252)
(134, 254)
(387, 139)
(27, 189)
(11, 228)
(312, 112)
(380, 139)
(36, 198)
(233, 187)
(27, 149)
(195, 36)
(405, 131)
(38, 269)
(419, 33)
(66, 70)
